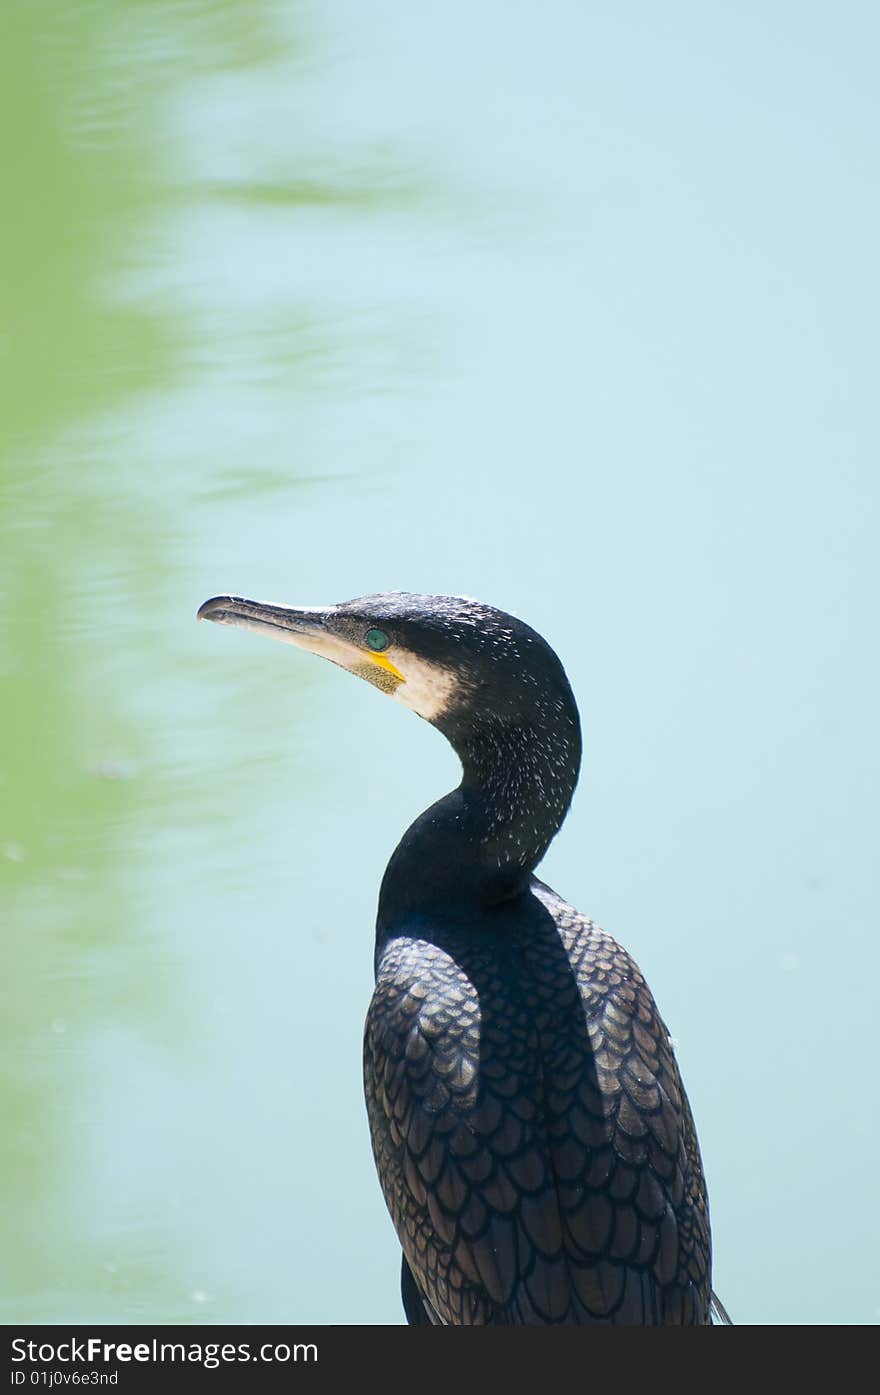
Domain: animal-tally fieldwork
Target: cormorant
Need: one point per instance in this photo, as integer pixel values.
(530, 1128)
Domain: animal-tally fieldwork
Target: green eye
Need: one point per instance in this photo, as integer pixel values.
(376, 639)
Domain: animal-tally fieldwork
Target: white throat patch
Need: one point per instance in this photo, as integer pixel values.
(426, 690)
(428, 687)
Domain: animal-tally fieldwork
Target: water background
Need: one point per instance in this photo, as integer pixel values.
(572, 308)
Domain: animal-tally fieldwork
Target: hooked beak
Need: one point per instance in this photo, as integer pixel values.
(306, 627)
(301, 625)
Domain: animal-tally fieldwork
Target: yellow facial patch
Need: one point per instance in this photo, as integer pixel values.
(385, 663)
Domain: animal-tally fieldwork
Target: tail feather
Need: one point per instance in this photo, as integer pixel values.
(719, 1314)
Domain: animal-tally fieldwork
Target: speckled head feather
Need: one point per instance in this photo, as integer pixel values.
(475, 662)
(497, 691)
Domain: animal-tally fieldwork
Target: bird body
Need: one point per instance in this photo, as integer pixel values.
(532, 1136)
(529, 1125)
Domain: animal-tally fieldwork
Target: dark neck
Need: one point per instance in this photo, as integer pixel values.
(478, 845)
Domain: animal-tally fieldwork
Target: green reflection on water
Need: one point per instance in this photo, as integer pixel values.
(83, 181)
(76, 184)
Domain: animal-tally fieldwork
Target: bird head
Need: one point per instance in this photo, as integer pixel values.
(452, 660)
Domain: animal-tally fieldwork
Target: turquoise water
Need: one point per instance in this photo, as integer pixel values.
(573, 310)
